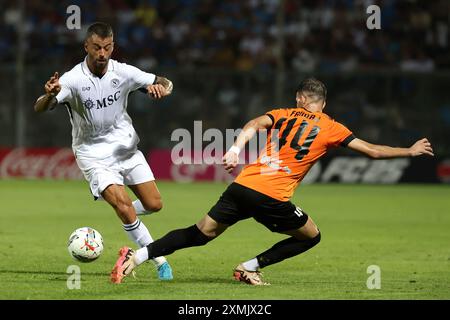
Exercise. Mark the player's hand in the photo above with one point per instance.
(157, 91)
(52, 86)
(422, 146)
(230, 161)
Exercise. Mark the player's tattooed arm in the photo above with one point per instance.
(48, 100)
(166, 83)
(160, 88)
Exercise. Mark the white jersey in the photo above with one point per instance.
(97, 106)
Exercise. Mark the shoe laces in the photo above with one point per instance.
(130, 252)
(256, 275)
(128, 255)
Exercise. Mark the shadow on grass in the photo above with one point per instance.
(188, 280)
(52, 273)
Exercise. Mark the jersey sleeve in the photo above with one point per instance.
(339, 135)
(65, 95)
(274, 115)
(138, 78)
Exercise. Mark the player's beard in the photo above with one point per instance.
(100, 65)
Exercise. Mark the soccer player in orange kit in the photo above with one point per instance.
(262, 191)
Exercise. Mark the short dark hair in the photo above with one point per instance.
(103, 30)
(313, 87)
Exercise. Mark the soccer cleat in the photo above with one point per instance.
(165, 271)
(253, 278)
(124, 265)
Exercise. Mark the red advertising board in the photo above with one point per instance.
(164, 169)
(59, 163)
(48, 163)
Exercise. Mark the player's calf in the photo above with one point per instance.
(286, 249)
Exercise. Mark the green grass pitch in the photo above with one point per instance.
(403, 229)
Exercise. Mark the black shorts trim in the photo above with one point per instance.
(239, 202)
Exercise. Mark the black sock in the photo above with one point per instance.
(285, 249)
(177, 239)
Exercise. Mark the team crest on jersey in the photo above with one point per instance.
(115, 83)
(88, 104)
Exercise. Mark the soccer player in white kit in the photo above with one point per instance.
(95, 93)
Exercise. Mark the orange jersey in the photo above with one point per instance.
(296, 140)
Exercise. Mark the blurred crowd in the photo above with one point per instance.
(214, 40)
(317, 35)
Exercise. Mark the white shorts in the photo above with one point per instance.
(104, 172)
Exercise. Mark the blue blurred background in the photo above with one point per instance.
(233, 60)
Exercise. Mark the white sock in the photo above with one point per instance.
(251, 265)
(140, 210)
(141, 255)
(138, 233)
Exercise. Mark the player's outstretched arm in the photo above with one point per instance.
(231, 158)
(161, 88)
(48, 100)
(421, 147)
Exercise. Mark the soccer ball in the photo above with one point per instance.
(85, 244)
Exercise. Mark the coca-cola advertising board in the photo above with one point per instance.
(44, 163)
(59, 163)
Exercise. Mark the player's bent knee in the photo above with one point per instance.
(316, 233)
(309, 243)
(153, 205)
(314, 241)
